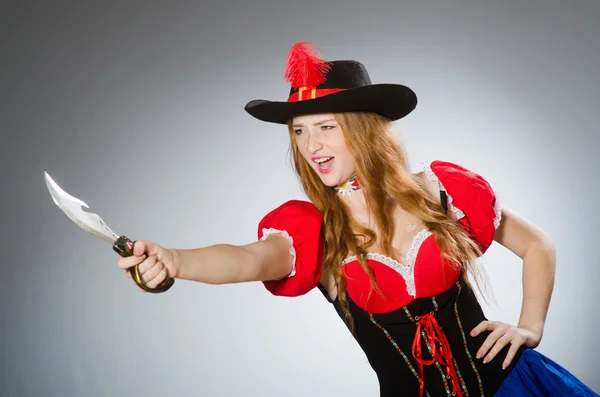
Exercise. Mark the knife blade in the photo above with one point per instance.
(72, 207)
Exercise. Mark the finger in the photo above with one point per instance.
(498, 346)
(152, 272)
(125, 263)
(139, 247)
(482, 326)
(160, 277)
(490, 340)
(146, 247)
(128, 273)
(147, 264)
(515, 345)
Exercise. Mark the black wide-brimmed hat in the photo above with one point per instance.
(319, 86)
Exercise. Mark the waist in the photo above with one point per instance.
(426, 346)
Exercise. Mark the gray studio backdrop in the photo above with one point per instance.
(137, 109)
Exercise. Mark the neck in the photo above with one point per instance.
(346, 189)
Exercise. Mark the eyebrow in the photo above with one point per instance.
(317, 123)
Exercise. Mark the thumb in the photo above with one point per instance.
(139, 247)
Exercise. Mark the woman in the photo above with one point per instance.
(389, 249)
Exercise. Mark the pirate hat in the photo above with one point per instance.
(319, 86)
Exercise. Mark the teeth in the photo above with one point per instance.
(322, 160)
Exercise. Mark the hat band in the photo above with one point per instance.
(305, 93)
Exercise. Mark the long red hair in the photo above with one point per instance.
(381, 168)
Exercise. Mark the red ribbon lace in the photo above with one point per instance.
(440, 351)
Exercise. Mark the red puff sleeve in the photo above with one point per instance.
(300, 222)
(471, 197)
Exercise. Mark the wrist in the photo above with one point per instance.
(176, 270)
(536, 329)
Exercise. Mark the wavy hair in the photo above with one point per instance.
(381, 168)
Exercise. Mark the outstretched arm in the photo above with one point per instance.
(289, 243)
(224, 263)
(269, 259)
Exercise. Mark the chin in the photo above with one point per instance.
(329, 180)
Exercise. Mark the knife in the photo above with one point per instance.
(92, 223)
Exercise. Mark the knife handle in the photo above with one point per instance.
(124, 247)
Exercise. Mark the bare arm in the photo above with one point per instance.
(537, 250)
(224, 263)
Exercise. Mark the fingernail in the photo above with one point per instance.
(486, 360)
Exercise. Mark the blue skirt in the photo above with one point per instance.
(537, 375)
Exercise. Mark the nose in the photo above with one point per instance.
(313, 142)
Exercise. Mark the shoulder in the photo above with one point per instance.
(429, 181)
(293, 214)
(432, 173)
(436, 174)
(295, 219)
(471, 198)
(300, 222)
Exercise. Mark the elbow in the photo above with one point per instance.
(274, 270)
(266, 260)
(546, 244)
(253, 267)
(275, 258)
(543, 246)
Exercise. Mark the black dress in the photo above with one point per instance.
(442, 321)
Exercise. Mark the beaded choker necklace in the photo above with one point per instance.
(348, 187)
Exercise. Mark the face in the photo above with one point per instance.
(321, 142)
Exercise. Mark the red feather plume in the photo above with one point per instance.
(304, 67)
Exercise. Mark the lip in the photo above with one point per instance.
(324, 170)
(319, 157)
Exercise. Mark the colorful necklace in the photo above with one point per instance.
(348, 187)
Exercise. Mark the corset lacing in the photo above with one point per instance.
(430, 330)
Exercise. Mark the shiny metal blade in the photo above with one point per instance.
(72, 207)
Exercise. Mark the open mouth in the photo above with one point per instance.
(324, 164)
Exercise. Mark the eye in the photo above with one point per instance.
(298, 131)
(327, 127)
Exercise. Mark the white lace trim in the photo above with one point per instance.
(498, 210)
(420, 237)
(433, 177)
(406, 270)
(269, 231)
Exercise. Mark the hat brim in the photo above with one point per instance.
(393, 101)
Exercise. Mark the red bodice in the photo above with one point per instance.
(423, 273)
